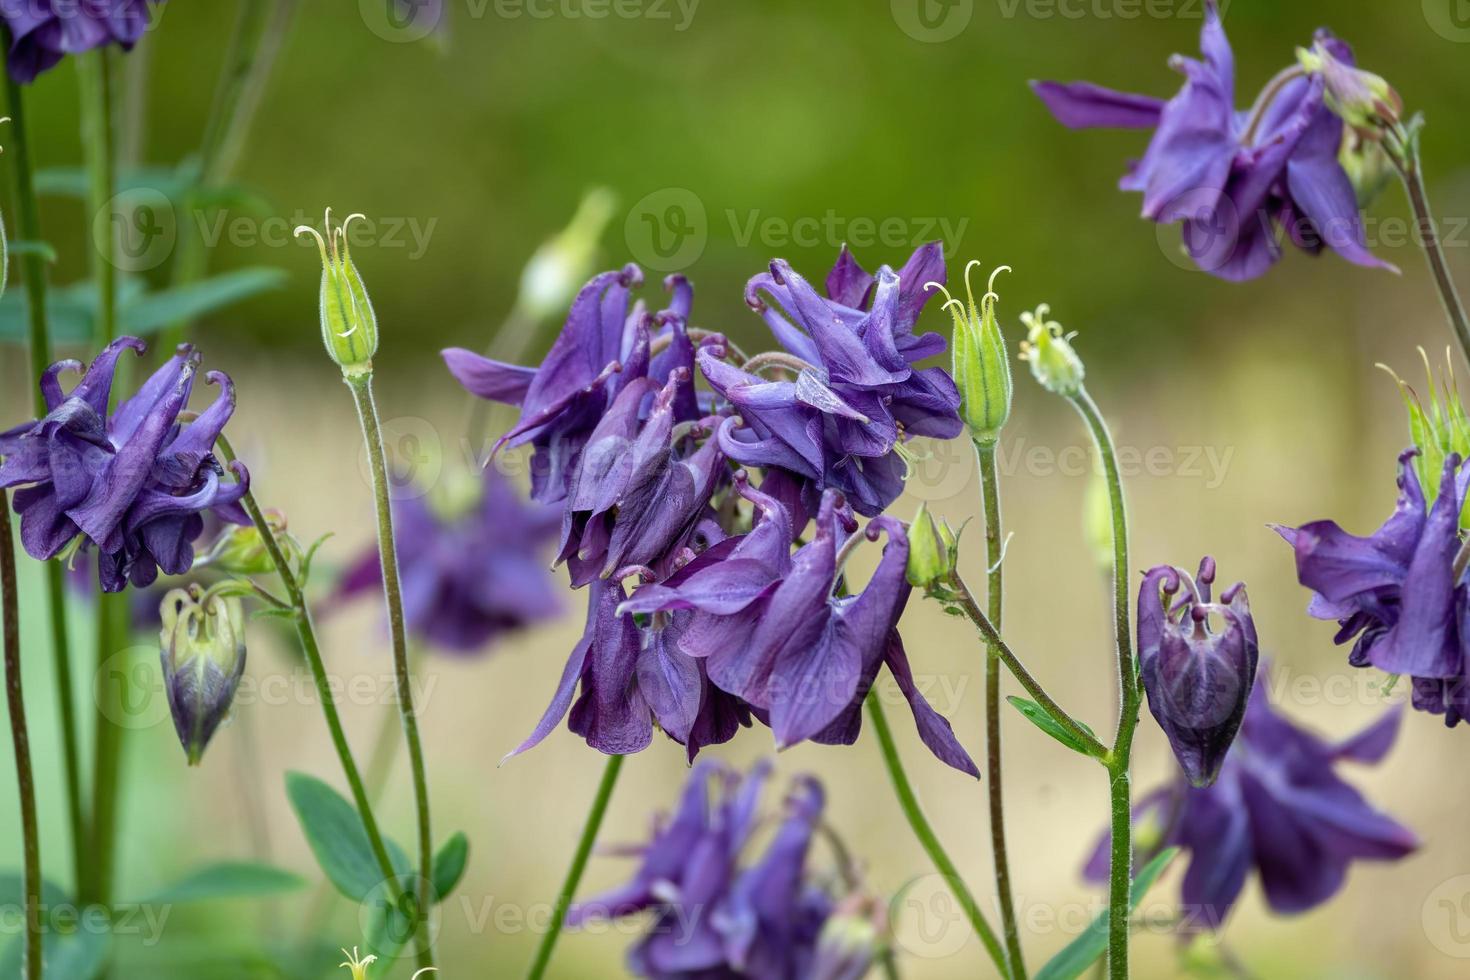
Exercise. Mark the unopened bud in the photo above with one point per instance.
(349, 326)
(562, 264)
(853, 936)
(240, 549)
(1049, 351)
(1364, 100)
(202, 646)
(931, 549)
(982, 371)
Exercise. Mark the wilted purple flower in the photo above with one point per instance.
(855, 395)
(137, 484)
(1278, 807)
(1399, 592)
(714, 916)
(1197, 679)
(1234, 178)
(770, 631)
(472, 570)
(42, 32)
(605, 346)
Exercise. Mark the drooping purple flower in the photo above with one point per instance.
(770, 629)
(1197, 680)
(42, 32)
(471, 570)
(135, 484)
(1397, 593)
(854, 395)
(605, 346)
(1237, 180)
(714, 915)
(1278, 808)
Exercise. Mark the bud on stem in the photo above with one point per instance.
(982, 371)
(349, 326)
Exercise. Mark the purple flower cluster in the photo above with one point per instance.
(1278, 808)
(42, 32)
(135, 485)
(1400, 594)
(469, 574)
(728, 624)
(714, 915)
(1239, 181)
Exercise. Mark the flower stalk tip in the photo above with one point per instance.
(1048, 350)
(349, 325)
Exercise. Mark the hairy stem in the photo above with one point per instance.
(24, 776)
(928, 840)
(995, 598)
(367, 411)
(1120, 880)
(33, 266)
(579, 864)
(1404, 152)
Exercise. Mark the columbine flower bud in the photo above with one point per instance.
(561, 265)
(1364, 100)
(349, 326)
(1053, 361)
(931, 549)
(1436, 429)
(850, 939)
(982, 372)
(240, 549)
(202, 643)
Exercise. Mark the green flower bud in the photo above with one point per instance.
(854, 934)
(349, 326)
(202, 645)
(1053, 361)
(1362, 99)
(1436, 429)
(931, 549)
(982, 371)
(240, 550)
(562, 264)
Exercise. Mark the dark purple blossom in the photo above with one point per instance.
(1397, 593)
(136, 484)
(42, 32)
(1197, 679)
(715, 916)
(1237, 180)
(470, 573)
(1278, 808)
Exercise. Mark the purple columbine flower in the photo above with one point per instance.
(714, 915)
(854, 395)
(1278, 808)
(1197, 679)
(471, 570)
(137, 484)
(42, 32)
(1235, 179)
(770, 629)
(1398, 593)
(604, 346)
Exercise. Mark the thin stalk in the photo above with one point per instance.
(1118, 759)
(995, 599)
(25, 776)
(33, 266)
(579, 864)
(112, 629)
(367, 412)
(971, 608)
(928, 840)
(306, 635)
(1404, 153)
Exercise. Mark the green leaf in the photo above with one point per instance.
(338, 838)
(449, 865)
(1043, 720)
(157, 310)
(241, 879)
(1082, 952)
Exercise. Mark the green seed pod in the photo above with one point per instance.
(1049, 351)
(931, 550)
(982, 369)
(349, 326)
(202, 647)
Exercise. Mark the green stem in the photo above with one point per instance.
(361, 385)
(995, 597)
(24, 776)
(1404, 152)
(112, 631)
(928, 840)
(306, 635)
(1119, 758)
(33, 265)
(579, 864)
(992, 637)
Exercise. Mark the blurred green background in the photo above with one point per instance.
(758, 129)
